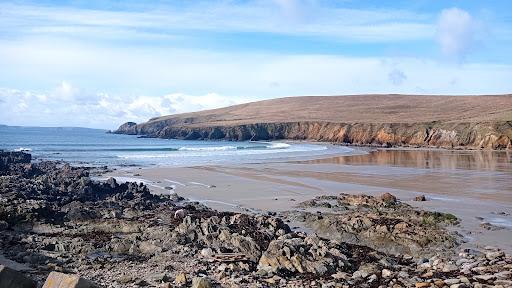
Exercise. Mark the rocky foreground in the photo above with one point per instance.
(53, 217)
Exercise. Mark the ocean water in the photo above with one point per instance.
(96, 147)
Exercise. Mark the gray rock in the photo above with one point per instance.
(494, 255)
(451, 281)
(10, 278)
(201, 282)
(386, 273)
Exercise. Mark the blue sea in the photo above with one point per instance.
(84, 146)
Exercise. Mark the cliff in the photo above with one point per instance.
(468, 122)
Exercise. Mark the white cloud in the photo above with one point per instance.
(65, 91)
(457, 32)
(291, 17)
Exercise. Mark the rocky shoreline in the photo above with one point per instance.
(53, 217)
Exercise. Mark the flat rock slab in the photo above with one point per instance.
(21, 267)
(61, 280)
(10, 278)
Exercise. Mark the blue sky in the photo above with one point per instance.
(101, 63)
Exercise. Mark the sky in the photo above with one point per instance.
(101, 63)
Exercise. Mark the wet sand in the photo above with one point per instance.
(476, 186)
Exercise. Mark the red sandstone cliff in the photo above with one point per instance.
(470, 122)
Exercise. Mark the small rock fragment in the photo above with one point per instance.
(201, 282)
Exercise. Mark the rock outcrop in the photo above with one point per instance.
(387, 125)
(382, 223)
(129, 128)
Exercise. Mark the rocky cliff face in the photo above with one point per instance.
(471, 135)
(129, 128)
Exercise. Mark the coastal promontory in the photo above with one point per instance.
(465, 122)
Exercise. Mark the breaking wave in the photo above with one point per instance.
(214, 148)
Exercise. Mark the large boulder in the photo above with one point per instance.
(61, 280)
(10, 278)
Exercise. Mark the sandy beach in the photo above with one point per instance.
(476, 186)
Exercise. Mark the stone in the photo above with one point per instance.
(494, 255)
(3, 225)
(422, 284)
(10, 278)
(451, 281)
(141, 283)
(158, 277)
(504, 283)
(367, 269)
(388, 198)
(484, 278)
(125, 279)
(340, 275)
(201, 282)
(503, 275)
(464, 279)
(180, 214)
(206, 252)
(403, 275)
(61, 280)
(420, 198)
(372, 278)
(181, 279)
(386, 273)
(447, 268)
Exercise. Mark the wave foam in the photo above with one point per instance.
(215, 148)
(278, 146)
(22, 149)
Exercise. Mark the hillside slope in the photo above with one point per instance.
(473, 122)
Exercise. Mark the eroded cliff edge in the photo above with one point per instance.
(466, 122)
(495, 135)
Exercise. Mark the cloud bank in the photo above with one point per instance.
(98, 110)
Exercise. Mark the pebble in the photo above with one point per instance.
(386, 273)
(450, 268)
(485, 278)
(451, 281)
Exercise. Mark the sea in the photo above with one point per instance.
(96, 147)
